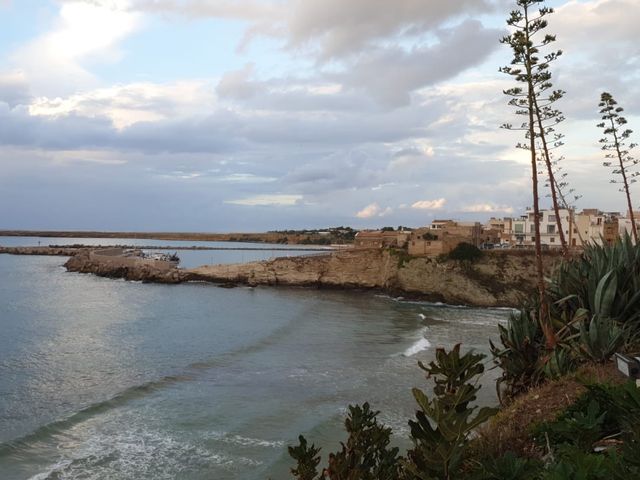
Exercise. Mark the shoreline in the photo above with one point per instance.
(494, 281)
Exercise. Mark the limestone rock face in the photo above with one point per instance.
(339, 269)
(497, 279)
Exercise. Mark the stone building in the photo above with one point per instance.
(381, 239)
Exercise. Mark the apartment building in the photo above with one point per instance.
(588, 226)
(523, 233)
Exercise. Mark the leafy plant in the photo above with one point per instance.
(601, 338)
(507, 467)
(576, 464)
(580, 428)
(440, 433)
(365, 456)
(559, 363)
(307, 459)
(520, 355)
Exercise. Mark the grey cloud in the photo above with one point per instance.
(238, 85)
(391, 74)
(344, 27)
(222, 131)
(340, 27)
(14, 89)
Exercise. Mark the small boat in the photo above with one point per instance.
(164, 257)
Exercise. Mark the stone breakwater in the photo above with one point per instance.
(56, 251)
(110, 264)
(497, 280)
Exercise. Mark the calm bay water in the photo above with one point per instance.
(188, 258)
(102, 378)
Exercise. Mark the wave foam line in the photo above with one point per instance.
(58, 426)
(418, 346)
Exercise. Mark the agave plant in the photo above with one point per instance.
(605, 280)
(520, 356)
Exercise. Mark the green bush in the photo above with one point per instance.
(465, 252)
(440, 433)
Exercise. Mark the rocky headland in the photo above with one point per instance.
(498, 279)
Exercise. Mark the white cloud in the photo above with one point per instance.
(82, 31)
(267, 200)
(487, 208)
(374, 210)
(128, 104)
(369, 211)
(429, 204)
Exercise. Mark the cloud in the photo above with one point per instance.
(238, 85)
(267, 200)
(390, 74)
(128, 104)
(82, 31)
(333, 28)
(487, 208)
(374, 210)
(429, 204)
(14, 88)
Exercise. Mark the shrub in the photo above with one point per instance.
(465, 252)
(440, 433)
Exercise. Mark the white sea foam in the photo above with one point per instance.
(246, 441)
(136, 453)
(419, 345)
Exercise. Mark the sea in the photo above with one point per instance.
(110, 379)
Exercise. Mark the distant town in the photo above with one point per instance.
(442, 236)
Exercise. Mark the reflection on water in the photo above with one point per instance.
(113, 379)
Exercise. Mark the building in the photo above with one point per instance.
(579, 228)
(471, 231)
(442, 236)
(498, 231)
(523, 230)
(381, 239)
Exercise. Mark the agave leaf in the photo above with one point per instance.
(605, 294)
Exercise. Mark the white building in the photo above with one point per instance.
(523, 229)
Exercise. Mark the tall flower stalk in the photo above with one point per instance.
(533, 101)
(618, 153)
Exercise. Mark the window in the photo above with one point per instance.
(552, 239)
(551, 229)
(533, 239)
(552, 218)
(518, 228)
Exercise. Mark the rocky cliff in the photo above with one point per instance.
(497, 279)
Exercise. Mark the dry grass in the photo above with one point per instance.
(510, 429)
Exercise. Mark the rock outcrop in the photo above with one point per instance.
(497, 279)
(129, 268)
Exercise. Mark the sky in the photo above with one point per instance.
(255, 115)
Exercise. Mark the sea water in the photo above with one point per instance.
(103, 378)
